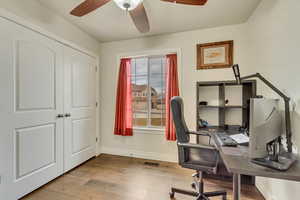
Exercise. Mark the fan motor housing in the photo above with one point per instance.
(126, 5)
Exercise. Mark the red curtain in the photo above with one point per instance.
(172, 90)
(123, 118)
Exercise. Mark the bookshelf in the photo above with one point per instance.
(221, 115)
(227, 103)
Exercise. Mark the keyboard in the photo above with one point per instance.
(225, 140)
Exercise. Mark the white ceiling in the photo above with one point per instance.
(110, 23)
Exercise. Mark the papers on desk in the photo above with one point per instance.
(240, 138)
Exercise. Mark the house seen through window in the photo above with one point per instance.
(148, 91)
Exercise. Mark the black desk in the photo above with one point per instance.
(237, 162)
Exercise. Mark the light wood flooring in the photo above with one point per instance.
(110, 177)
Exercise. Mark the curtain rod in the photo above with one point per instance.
(148, 55)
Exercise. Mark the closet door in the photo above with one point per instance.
(31, 79)
(80, 108)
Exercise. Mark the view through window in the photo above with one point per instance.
(148, 91)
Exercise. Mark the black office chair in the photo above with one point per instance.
(199, 157)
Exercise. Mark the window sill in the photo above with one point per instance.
(155, 131)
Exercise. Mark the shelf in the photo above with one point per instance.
(230, 106)
(208, 106)
(225, 83)
(235, 106)
(217, 112)
(231, 128)
(219, 115)
(210, 128)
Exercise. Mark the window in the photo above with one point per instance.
(148, 92)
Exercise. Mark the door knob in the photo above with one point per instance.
(67, 115)
(60, 116)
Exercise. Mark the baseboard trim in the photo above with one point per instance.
(266, 194)
(140, 154)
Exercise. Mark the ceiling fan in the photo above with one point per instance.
(135, 8)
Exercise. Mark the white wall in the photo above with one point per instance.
(268, 43)
(274, 42)
(154, 145)
(39, 15)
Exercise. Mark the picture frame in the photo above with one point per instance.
(215, 55)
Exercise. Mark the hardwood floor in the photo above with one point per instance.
(110, 177)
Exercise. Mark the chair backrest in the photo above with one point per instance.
(179, 121)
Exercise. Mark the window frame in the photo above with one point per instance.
(148, 53)
(149, 96)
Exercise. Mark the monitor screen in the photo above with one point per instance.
(265, 125)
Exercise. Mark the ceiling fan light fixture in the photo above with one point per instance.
(128, 4)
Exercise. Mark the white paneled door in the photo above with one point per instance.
(31, 76)
(80, 108)
(47, 109)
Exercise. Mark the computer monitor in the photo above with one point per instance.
(265, 125)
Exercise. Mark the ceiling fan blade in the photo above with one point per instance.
(140, 19)
(88, 6)
(188, 2)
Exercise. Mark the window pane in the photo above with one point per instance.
(162, 101)
(164, 65)
(139, 90)
(141, 80)
(133, 66)
(155, 65)
(157, 85)
(141, 66)
(140, 105)
(158, 108)
(140, 119)
(163, 108)
(156, 119)
(163, 119)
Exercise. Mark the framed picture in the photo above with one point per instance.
(215, 55)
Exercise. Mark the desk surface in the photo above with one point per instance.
(237, 161)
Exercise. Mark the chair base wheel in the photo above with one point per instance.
(172, 195)
(193, 185)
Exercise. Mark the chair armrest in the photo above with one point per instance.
(199, 133)
(195, 146)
